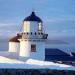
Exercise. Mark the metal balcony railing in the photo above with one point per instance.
(33, 35)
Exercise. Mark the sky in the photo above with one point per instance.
(58, 16)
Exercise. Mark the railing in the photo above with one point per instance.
(33, 35)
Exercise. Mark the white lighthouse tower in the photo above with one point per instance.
(32, 42)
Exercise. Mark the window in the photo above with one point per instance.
(40, 27)
(33, 48)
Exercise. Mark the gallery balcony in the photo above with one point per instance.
(33, 35)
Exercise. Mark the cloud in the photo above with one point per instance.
(60, 25)
(61, 19)
(9, 29)
(54, 34)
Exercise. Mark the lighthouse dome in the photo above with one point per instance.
(33, 17)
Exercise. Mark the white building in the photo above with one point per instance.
(29, 46)
(30, 43)
(14, 44)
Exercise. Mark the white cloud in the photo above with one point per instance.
(62, 33)
(56, 20)
(9, 29)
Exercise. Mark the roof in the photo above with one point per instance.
(54, 51)
(33, 17)
(14, 39)
(73, 54)
(57, 55)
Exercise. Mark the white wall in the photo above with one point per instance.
(25, 46)
(25, 50)
(14, 46)
(30, 26)
(40, 51)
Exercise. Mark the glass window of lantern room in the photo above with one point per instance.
(40, 27)
(33, 48)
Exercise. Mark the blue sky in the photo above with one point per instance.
(58, 16)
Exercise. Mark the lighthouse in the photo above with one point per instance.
(30, 43)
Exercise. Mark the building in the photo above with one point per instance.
(27, 50)
(30, 43)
